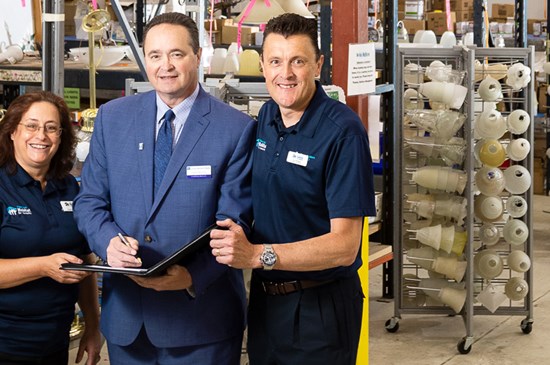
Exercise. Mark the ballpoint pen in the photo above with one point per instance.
(125, 241)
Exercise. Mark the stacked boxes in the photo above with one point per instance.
(437, 21)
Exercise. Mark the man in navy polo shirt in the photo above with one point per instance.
(312, 187)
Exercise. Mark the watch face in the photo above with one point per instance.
(269, 258)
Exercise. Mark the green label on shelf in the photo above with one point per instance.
(72, 97)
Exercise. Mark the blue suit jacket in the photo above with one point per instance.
(117, 196)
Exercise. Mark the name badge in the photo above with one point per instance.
(66, 205)
(199, 172)
(297, 158)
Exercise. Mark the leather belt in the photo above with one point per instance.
(288, 287)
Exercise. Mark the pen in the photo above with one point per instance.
(125, 241)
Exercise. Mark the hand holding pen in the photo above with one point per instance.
(127, 243)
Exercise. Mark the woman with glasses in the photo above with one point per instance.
(38, 234)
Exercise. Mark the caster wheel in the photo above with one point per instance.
(526, 326)
(391, 326)
(461, 347)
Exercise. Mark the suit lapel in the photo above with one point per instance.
(193, 129)
(145, 144)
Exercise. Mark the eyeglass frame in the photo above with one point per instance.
(37, 127)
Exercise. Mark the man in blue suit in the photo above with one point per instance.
(193, 314)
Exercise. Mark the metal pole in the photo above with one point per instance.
(132, 41)
(53, 46)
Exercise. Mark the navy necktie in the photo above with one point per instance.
(163, 147)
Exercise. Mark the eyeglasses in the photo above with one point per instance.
(48, 128)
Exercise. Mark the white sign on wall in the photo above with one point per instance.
(361, 69)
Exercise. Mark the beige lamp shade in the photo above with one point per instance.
(249, 61)
(296, 7)
(260, 12)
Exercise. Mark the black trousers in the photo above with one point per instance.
(316, 326)
(58, 358)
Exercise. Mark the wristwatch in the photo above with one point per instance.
(268, 258)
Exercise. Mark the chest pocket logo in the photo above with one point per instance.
(19, 210)
(261, 144)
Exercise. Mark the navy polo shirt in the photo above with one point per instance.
(35, 317)
(305, 175)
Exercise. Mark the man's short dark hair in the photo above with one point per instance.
(290, 24)
(176, 19)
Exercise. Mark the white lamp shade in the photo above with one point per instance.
(515, 232)
(12, 54)
(516, 288)
(490, 89)
(217, 61)
(296, 7)
(518, 76)
(448, 39)
(519, 261)
(489, 234)
(444, 92)
(491, 297)
(490, 180)
(518, 179)
(454, 298)
(488, 208)
(430, 236)
(490, 124)
(488, 264)
(518, 149)
(518, 121)
(260, 12)
(231, 64)
(516, 206)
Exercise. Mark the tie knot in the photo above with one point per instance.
(169, 115)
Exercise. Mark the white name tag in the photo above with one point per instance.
(297, 158)
(66, 205)
(199, 172)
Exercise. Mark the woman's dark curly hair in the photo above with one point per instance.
(63, 160)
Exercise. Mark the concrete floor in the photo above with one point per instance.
(432, 339)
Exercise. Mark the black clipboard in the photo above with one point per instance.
(159, 268)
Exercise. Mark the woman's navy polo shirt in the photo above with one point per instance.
(35, 317)
(305, 175)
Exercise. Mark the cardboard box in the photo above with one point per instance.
(413, 26)
(400, 5)
(462, 5)
(542, 97)
(465, 16)
(70, 11)
(229, 34)
(503, 10)
(217, 27)
(456, 5)
(414, 9)
(437, 21)
(539, 176)
(531, 25)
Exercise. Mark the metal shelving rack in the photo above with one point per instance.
(405, 160)
(513, 100)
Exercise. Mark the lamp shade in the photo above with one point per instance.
(296, 7)
(260, 13)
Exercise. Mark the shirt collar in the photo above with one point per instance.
(22, 178)
(185, 104)
(310, 120)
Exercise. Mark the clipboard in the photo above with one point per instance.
(203, 240)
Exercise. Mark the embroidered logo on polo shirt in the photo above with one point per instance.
(19, 210)
(261, 144)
